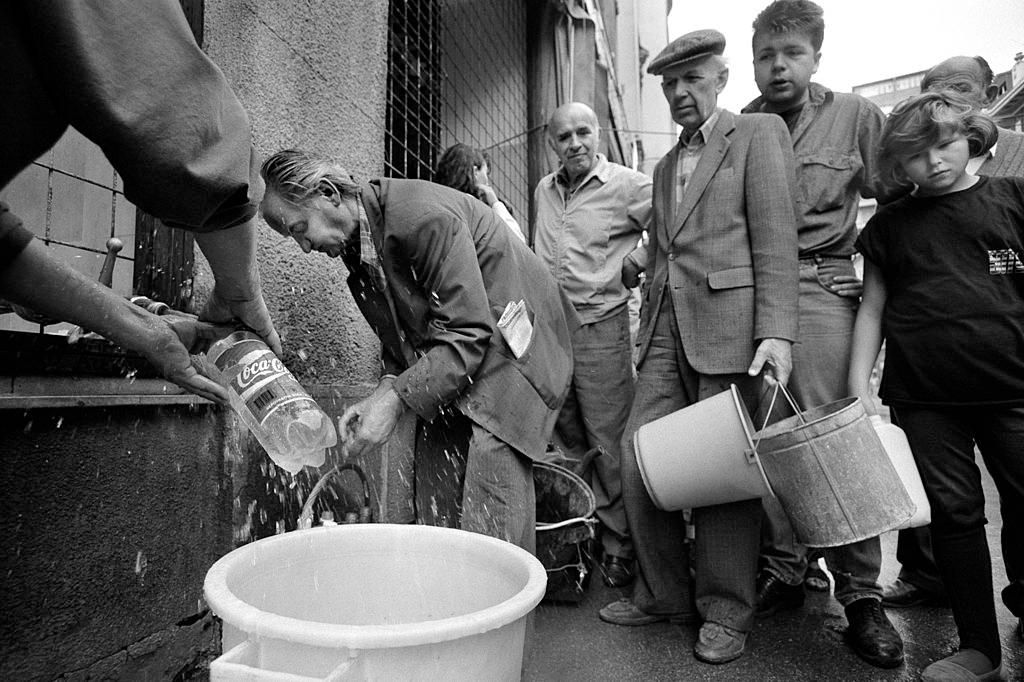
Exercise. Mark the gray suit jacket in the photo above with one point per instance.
(1009, 157)
(728, 254)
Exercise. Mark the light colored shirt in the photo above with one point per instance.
(690, 151)
(976, 162)
(502, 210)
(583, 235)
(368, 251)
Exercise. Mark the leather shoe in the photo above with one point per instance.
(717, 643)
(900, 594)
(616, 571)
(773, 595)
(625, 612)
(871, 634)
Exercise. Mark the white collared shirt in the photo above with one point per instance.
(690, 151)
(976, 162)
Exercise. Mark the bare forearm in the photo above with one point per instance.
(39, 281)
(867, 341)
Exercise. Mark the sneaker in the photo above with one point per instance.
(773, 595)
(960, 667)
(717, 643)
(871, 634)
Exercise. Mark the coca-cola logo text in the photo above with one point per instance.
(253, 371)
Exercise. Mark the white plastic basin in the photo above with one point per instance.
(374, 602)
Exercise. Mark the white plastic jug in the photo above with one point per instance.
(896, 446)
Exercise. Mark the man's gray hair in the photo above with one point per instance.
(298, 175)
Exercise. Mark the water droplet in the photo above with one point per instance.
(140, 564)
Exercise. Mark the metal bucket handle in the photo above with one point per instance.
(751, 452)
(305, 519)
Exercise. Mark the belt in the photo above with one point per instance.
(821, 257)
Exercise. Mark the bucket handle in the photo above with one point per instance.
(590, 523)
(305, 519)
(237, 664)
(751, 453)
(771, 406)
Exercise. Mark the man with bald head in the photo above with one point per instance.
(972, 77)
(919, 583)
(590, 216)
(720, 310)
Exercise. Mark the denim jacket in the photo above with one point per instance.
(835, 142)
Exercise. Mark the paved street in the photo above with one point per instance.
(570, 642)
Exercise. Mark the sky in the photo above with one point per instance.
(866, 40)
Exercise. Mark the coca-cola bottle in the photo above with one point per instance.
(286, 421)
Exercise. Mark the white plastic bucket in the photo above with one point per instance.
(374, 602)
(701, 455)
(896, 446)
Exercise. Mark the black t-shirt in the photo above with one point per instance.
(953, 267)
(790, 116)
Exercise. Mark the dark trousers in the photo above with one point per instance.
(727, 535)
(917, 560)
(465, 477)
(943, 442)
(594, 414)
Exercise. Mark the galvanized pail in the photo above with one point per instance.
(832, 476)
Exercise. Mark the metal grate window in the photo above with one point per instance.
(457, 73)
(414, 88)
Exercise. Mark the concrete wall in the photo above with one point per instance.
(109, 520)
(111, 516)
(312, 75)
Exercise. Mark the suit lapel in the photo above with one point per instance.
(668, 192)
(710, 159)
(378, 307)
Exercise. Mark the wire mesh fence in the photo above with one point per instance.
(457, 73)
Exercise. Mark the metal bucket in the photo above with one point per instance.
(832, 475)
(565, 530)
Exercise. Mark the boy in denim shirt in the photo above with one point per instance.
(834, 139)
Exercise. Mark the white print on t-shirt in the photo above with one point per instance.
(1004, 262)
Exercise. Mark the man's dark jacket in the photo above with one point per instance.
(451, 267)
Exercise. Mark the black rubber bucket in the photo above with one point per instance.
(565, 530)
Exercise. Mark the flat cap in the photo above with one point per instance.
(693, 45)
